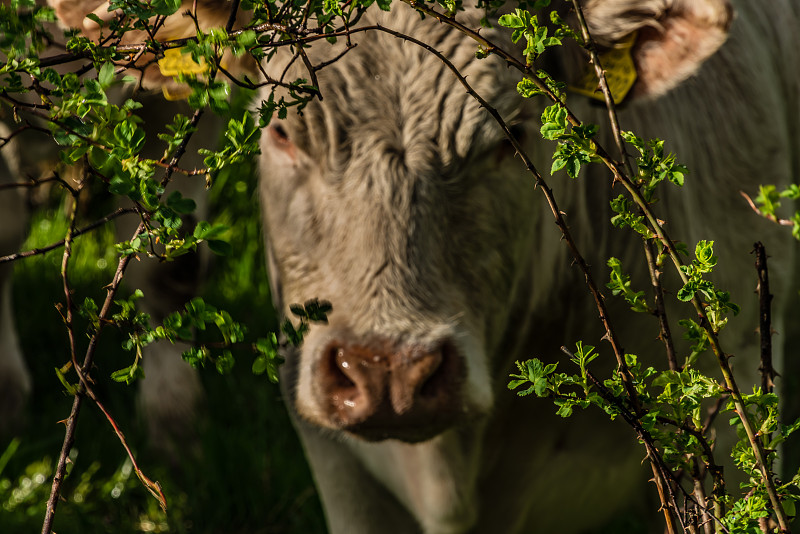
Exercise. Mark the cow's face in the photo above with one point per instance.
(397, 199)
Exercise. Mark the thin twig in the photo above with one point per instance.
(152, 486)
(660, 312)
(73, 212)
(87, 228)
(768, 216)
(34, 182)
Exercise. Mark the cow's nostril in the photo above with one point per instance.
(431, 386)
(341, 368)
(443, 374)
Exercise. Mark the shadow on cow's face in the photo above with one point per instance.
(399, 202)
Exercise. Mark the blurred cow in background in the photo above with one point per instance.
(398, 199)
(15, 381)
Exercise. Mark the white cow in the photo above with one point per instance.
(397, 198)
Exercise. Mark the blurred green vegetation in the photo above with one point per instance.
(243, 472)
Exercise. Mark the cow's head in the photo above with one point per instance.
(398, 199)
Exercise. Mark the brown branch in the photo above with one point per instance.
(768, 372)
(660, 312)
(34, 182)
(152, 486)
(65, 277)
(5, 140)
(232, 16)
(61, 466)
(309, 68)
(655, 225)
(268, 80)
(722, 357)
(185, 172)
(661, 472)
(350, 46)
(613, 120)
(715, 469)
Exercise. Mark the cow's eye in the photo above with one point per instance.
(281, 140)
(279, 134)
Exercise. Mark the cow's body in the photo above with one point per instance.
(397, 199)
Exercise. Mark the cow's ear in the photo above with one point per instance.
(672, 38)
(83, 15)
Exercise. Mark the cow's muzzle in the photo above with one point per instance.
(384, 390)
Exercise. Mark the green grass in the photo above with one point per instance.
(243, 472)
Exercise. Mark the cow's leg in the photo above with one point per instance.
(15, 381)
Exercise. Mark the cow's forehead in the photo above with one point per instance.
(397, 94)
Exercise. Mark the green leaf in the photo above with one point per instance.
(128, 374)
(219, 247)
(687, 292)
(527, 88)
(564, 408)
(791, 192)
(511, 20)
(224, 362)
(72, 389)
(196, 356)
(164, 7)
(181, 205)
(573, 167)
(105, 76)
(260, 365)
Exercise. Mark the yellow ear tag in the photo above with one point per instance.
(620, 73)
(178, 61)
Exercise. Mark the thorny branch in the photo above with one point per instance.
(768, 372)
(84, 387)
(665, 335)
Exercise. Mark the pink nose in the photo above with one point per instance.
(385, 390)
